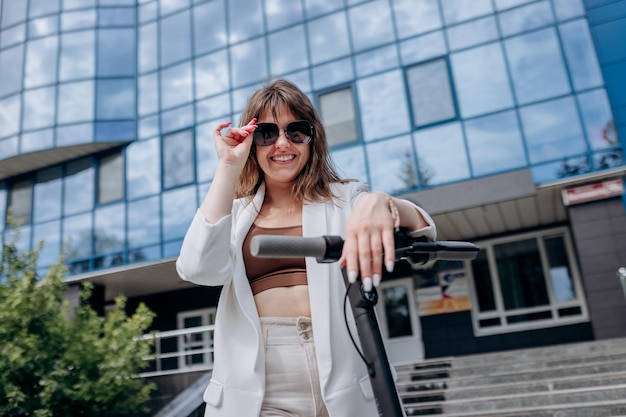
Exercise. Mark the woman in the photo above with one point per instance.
(275, 177)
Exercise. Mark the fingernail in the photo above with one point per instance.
(390, 265)
(352, 276)
(367, 284)
(376, 279)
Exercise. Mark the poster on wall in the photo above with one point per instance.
(448, 294)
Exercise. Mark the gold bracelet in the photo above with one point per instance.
(395, 216)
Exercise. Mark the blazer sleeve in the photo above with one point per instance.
(205, 255)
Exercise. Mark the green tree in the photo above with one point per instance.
(57, 361)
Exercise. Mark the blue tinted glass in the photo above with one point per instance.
(495, 143)
(117, 2)
(350, 163)
(318, 7)
(116, 52)
(211, 74)
(82, 19)
(431, 95)
(13, 12)
(383, 105)
(218, 106)
(143, 168)
(455, 11)
(38, 140)
(472, 33)
(47, 195)
(73, 134)
(253, 13)
(580, 54)
(42, 7)
(209, 26)
(302, 79)
(170, 6)
(526, 18)
(567, 9)
(77, 236)
(177, 118)
(16, 34)
(561, 169)
(115, 131)
(441, 154)
(145, 254)
(377, 60)
(116, 99)
(506, 4)
(10, 110)
(178, 159)
(179, 207)
(117, 16)
(328, 38)
(3, 205)
(240, 97)
(423, 47)
(205, 151)
(23, 241)
(248, 62)
(148, 56)
(371, 25)
(175, 38)
(398, 171)
(333, 73)
(78, 187)
(536, 66)
(171, 249)
(43, 26)
(608, 159)
(414, 17)
(41, 61)
(481, 80)
(77, 4)
(552, 130)
(176, 85)
(76, 102)
(148, 94)
(147, 12)
(50, 234)
(148, 127)
(39, 108)
(598, 120)
(110, 228)
(77, 55)
(287, 50)
(279, 13)
(144, 222)
(8, 147)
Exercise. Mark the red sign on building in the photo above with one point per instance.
(592, 192)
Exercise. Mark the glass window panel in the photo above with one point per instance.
(431, 94)
(423, 47)
(144, 218)
(218, 106)
(281, 13)
(38, 140)
(398, 171)
(177, 119)
(77, 55)
(23, 241)
(148, 53)
(170, 6)
(77, 4)
(495, 143)
(328, 38)
(526, 18)
(333, 73)
(116, 52)
(178, 159)
(42, 7)
(211, 74)
(82, 19)
(175, 38)
(41, 62)
(149, 127)
(43, 26)
(16, 34)
(209, 26)
(561, 169)
(118, 16)
(147, 12)
(441, 154)
(117, 2)
(77, 236)
(47, 195)
(179, 207)
(302, 79)
(455, 11)
(382, 101)
(350, 163)
(582, 60)
(111, 178)
(397, 311)
(73, 134)
(288, 50)
(560, 273)
(481, 80)
(318, 7)
(608, 159)
(3, 206)
(78, 187)
(148, 94)
(116, 99)
(8, 147)
(50, 234)
(76, 102)
(248, 62)
(115, 131)
(536, 66)
(481, 275)
(254, 19)
(472, 33)
(145, 254)
(507, 4)
(339, 117)
(110, 228)
(176, 85)
(11, 62)
(206, 156)
(371, 25)
(552, 130)
(413, 17)
(13, 12)
(10, 110)
(240, 97)
(21, 201)
(377, 60)
(521, 275)
(598, 119)
(143, 171)
(567, 9)
(39, 107)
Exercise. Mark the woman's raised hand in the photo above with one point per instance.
(234, 146)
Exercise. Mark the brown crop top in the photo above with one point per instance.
(266, 273)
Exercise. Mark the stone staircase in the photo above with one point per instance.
(573, 380)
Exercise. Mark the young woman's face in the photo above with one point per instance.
(282, 161)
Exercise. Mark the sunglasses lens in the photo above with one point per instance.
(299, 132)
(265, 134)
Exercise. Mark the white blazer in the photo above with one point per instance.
(211, 255)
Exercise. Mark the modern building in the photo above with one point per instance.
(505, 119)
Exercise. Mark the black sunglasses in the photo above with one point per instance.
(266, 134)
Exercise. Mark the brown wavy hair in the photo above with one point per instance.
(313, 182)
